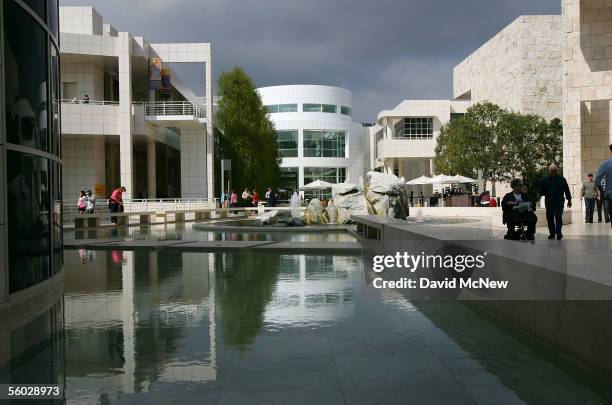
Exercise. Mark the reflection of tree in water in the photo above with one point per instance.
(245, 284)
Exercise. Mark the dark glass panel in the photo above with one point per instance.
(25, 54)
(53, 17)
(28, 205)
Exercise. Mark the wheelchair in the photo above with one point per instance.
(520, 225)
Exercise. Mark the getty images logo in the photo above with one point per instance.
(412, 263)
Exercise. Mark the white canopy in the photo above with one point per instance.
(442, 179)
(317, 185)
(419, 181)
(463, 179)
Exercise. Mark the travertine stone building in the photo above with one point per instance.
(587, 84)
(557, 67)
(519, 68)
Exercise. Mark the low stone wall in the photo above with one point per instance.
(557, 301)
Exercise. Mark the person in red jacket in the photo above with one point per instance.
(255, 198)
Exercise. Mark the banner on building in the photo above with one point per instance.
(155, 73)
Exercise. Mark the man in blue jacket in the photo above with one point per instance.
(554, 188)
(605, 170)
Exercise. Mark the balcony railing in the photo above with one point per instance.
(174, 108)
(92, 102)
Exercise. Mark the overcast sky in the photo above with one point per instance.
(384, 51)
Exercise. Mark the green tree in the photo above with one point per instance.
(244, 134)
(474, 144)
(499, 144)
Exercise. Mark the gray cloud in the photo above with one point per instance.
(384, 50)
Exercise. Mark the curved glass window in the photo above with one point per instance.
(324, 143)
(280, 108)
(25, 53)
(287, 143)
(55, 103)
(311, 108)
(29, 223)
(53, 17)
(287, 108)
(38, 6)
(329, 108)
(344, 110)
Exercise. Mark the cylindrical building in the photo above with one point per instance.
(317, 138)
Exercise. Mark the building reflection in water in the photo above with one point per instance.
(32, 345)
(137, 321)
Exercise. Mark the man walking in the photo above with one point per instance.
(589, 193)
(554, 188)
(605, 172)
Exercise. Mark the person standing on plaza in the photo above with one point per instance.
(589, 193)
(246, 196)
(555, 190)
(115, 204)
(82, 202)
(605, 172)
(233, 199)
(255, 198)
(268, 194)
(602, 204)
(90, 204)
(272, 199)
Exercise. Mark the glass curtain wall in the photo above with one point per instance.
(287, 143)
(32, 122)
(332, 175)
(324, 143)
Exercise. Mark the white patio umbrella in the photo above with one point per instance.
(419, 181)
(463, 180)
(316, 185)
(441, 179)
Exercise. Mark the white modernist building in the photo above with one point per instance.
(317, 137)
(126, 117)
(403, 141)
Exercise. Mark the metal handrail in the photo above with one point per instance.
(92, 102)
(174, 108)
(145, 204)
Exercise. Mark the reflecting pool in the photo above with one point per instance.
(173, 327)
(185, 231)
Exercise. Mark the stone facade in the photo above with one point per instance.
(519, 68)
(587, 84)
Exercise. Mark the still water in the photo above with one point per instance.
(185, 231)
(165, 327)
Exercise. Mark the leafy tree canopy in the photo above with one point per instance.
(244, 134)
(500, 144)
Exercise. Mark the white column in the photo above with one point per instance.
(126, 121)
(210, 172)
(151, 169)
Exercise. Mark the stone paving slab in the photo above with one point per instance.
(219, 245)
(312, 247)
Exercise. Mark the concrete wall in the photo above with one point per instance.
(89, 79)
(587, 83)
(519, 68)
(80, 20)
(83, 166)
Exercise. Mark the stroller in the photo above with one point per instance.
(522, 217)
